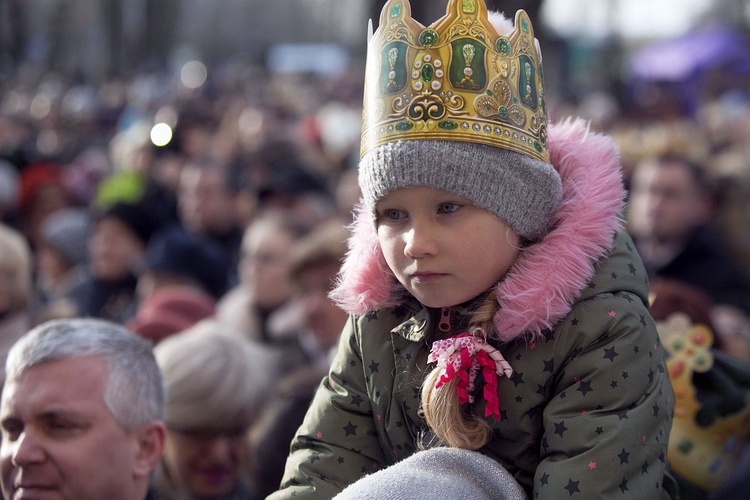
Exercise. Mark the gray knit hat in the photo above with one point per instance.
(67, 232)
(521, 190)
(438, 474)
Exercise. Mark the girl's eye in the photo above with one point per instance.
(448, 207)
(391, 214)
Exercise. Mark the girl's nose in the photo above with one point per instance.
(419, 242)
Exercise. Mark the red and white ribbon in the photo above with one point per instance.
(464, 356)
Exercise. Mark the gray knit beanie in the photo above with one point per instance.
(438, 474)
(521, 190)
(67, 232)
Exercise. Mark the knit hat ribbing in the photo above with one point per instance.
(519, 189)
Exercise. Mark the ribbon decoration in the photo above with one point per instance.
(464, 356)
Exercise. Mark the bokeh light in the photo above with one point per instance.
(161, 134)
(194, 74)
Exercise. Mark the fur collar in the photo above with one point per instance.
(543, 284)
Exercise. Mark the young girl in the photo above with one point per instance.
(496, 303)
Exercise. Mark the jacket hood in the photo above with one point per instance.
(541, 287)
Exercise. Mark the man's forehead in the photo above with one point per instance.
(65, 382)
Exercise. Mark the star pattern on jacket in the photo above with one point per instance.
(564, 395)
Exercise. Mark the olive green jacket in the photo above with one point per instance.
(586, 414)
(587, 411)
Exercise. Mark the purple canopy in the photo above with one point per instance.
(681, 58)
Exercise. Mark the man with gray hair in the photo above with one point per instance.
(81, 413)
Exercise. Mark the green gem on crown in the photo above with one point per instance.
(503, 46)
(404, 126)
(524, 25)
(428, 72)
(448, 125)
(428, 38)
(469, 6)
(396, 10)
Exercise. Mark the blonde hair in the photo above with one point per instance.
(451, 422)
(214, 381)
(15, 269)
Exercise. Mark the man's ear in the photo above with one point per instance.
(150, 441)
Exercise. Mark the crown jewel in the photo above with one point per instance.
(457, 80)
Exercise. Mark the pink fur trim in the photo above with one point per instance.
(540, 288)
(546, 279)
(365, 281)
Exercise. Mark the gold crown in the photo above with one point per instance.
(456, 80)
(703, 455)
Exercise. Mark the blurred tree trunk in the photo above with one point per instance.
(424, 11)
(15, 37)
(112, 15)
(161, 18)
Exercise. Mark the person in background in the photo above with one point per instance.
(42, 192)
(169, 310)
(260, 307)
(315, 262)
(206, 205)
(175, 256)
(61, 261)
(81, 413)
(16, 288)
(294, 190)
(670, 216)
(216, 385)
(116, 251)
(9, 193)
(671, 220)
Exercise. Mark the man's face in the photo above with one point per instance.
(665, 203)
(265, 266)
(322, 317)
(205, 205)
(59, 440)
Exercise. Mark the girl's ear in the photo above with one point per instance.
(150, 440)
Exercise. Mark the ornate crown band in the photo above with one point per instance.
(456, 80)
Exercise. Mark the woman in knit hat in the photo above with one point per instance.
(61, 262)
(497, 305)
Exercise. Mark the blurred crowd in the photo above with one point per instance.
(220, 243)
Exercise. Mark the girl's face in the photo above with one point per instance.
(441, 248)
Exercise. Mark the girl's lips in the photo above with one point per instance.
(426, 277)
